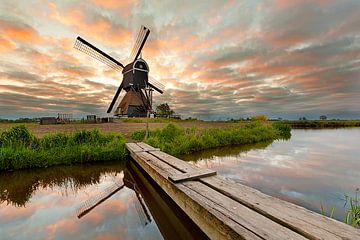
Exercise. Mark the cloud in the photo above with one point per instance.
(217, 60)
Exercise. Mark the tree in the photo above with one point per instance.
(323, 117)
(164, 110)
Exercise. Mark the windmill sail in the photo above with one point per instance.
(86, 47)
(158, 86)
(115, 98)
(95, 201)
(139, 44)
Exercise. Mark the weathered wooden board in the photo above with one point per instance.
(147, 147)
(134, 147)
(176, 162)
(213, 221)
(225, 209)
(192, 175)
(303, 221)
(216, 228)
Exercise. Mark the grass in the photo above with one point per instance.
(352, 216)
(20, 149)
(176, 140)
(318, 124)
(352, 213)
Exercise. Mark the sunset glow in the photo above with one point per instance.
(217, 59)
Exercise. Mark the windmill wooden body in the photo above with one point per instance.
(137, 101)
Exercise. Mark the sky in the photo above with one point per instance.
(217, 59)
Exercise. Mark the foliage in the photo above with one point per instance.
(323, 117)
(19, 120)
(164, 110)
(176, 140)
(20, 149)
(283, 128)
(261, 118)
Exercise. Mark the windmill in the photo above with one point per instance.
(137, 101)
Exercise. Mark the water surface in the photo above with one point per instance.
(313, 168)
(45, 203)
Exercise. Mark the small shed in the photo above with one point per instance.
(48, 120)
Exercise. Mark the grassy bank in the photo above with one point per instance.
(176, 140)
(322, 123)
(20, 149)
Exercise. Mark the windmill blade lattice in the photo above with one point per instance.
(96, 200)
(86, 47)
(139, 44)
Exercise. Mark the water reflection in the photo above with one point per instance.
(313, 168)
(42, 204)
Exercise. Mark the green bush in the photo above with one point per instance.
(176, 140)
(20, 149)
(283, 128)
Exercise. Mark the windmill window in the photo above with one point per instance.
(141, 66)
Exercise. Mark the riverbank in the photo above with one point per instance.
(20, 149)
(177, 140)
(320, 124)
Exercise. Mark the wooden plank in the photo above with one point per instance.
(171, 224)
(242, 215)
(133, 147)
(215, 226)
(310, 224)
(214, 215)
(147, 147)
(213, 221)
(177, 163)
(192, 175)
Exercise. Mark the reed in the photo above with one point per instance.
(20, 149)
(352, 204)
(176, 140)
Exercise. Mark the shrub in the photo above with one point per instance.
(261, 118)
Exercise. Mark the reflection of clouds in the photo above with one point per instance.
(313, 167)
(51, 214)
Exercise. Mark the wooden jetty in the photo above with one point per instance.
(224, 209)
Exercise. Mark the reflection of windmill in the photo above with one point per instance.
(96, 200)
(138, 98)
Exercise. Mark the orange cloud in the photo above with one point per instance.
(67, 225)
(6, 45)
(98, 28)
(113, 4)
(19, 32)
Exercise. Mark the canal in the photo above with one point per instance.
(313, 168)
